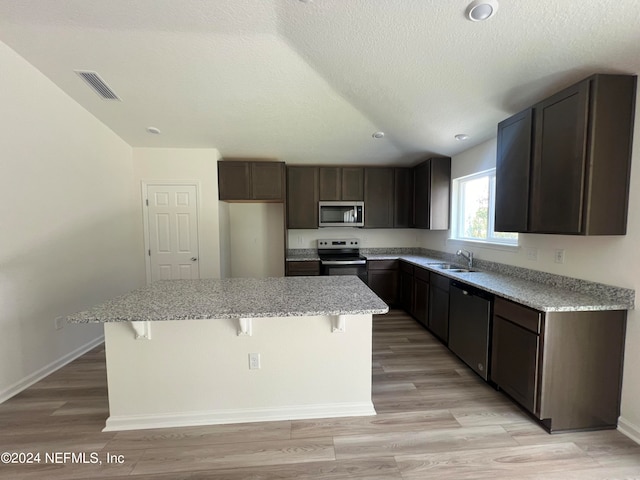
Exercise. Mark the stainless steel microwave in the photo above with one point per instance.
(341, 214)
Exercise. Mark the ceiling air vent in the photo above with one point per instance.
(100, 87)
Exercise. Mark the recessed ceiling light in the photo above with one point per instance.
(378, 134)
(480, 10)
(154, 130)
(462, 137)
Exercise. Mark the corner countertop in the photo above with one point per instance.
(549, 294)
(234, 298)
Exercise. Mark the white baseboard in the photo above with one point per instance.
(38, 375)
(220, 417)
(629, 429)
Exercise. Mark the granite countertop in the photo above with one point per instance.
(539, 290)
(545, 295)
(238, 298)
(303, 255)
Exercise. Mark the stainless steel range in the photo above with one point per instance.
(342, 257)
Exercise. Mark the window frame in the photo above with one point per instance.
(457, 221)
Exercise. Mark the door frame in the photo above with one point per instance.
(144, 185)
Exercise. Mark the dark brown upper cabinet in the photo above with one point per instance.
(432, 189)
(248, 181)
(580, 161)
(341, 183)
(403, 193)
(378, 197)
(234, 180)
(302, 197)
(513, 166)
(559, 162)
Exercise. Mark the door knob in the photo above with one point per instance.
(193, 259)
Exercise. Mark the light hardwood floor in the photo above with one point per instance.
(436, 420)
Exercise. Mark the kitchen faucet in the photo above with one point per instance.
(467, 255)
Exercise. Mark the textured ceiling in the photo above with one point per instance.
(309, 82)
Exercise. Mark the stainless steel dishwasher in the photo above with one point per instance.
(469, 325)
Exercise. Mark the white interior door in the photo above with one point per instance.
(172, 216)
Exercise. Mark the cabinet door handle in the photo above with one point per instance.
(193, 259)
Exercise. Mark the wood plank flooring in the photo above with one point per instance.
(436, 420)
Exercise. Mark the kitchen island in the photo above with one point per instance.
(197, 352)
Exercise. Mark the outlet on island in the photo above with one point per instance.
(254, 361)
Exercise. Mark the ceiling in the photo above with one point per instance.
(309, 82)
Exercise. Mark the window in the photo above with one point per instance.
(474, 210)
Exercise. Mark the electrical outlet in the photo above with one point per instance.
(532, 254)
(59, 323)
(254, 361)
(558, 255)
(299, 241)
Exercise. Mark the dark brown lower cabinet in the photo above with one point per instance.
(515, 361)
(405, 287)
(421, 295)
(302, 268)
(564, 367)
(439, 306)
(382, 278)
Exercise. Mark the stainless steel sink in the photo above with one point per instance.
(451, 268)
(443, 266)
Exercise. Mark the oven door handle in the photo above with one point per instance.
(343, 262)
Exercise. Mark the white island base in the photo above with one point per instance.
(196, 372)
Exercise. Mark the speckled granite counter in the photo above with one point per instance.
(238, 298)
(302, 255)
(550, 293)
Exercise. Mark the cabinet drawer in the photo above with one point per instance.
(519, 314)
(421, 273)
(439, 281)
(303, 268)
(382, 264)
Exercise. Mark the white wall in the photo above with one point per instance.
(369, 238)
(256, 239)
(180, 164)
(609, 259)
(68, 236)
